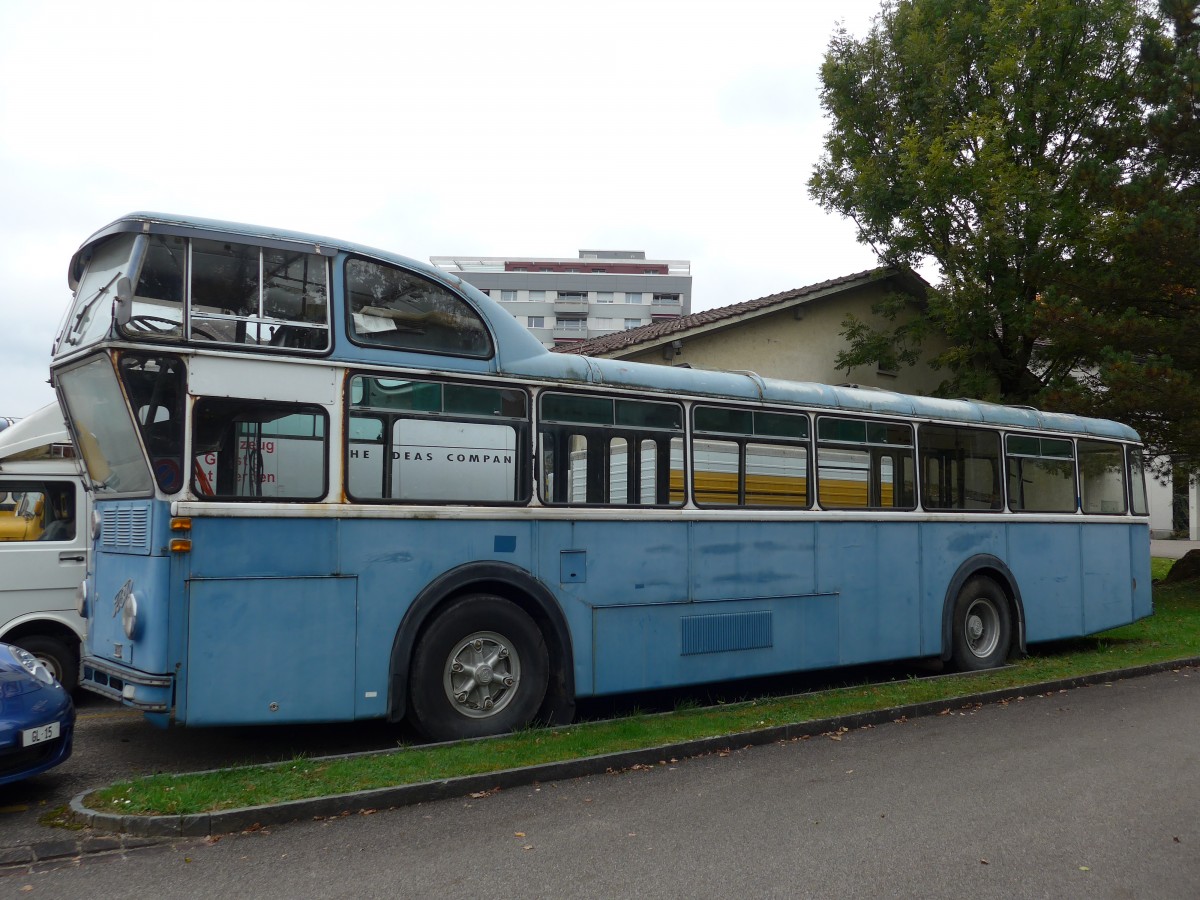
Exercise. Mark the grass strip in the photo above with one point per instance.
(1172, 633)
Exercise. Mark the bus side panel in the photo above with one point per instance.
(395, 560)
(599, 564)
(1044, 558)
(739, 560)
(663, 645)
(1139, 555)
(945, 546)
(875, 569)
(616, 563)
(270, 650)
(1107, 578)
(252, 547)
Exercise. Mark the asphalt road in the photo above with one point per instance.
(1088, 793)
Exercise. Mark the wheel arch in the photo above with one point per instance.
(42, 625)
(994, 568)
(514, 584)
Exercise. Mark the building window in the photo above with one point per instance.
(537, 321)
(604, 296)
(634, 297)
(666, 300)
(572, 296)
(572, 324)
(633, 323)
(508, 296)
(537, 296)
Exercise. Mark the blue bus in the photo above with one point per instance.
(332, 484)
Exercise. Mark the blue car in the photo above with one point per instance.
(37, 717)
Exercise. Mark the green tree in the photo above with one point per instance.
(1037, 152)
(1134, 298)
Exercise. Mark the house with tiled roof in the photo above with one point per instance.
(794, 335)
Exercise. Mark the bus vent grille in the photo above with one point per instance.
(727, 631)
(125, 528)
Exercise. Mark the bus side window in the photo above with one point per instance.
(960, 468)
(391, 307)
(1137, 482)
(603, 450)
(863, 464)
(743, 457)
(1041, 474)
(437, 442)
(246, 294)
(1102, 477)
(259, 450)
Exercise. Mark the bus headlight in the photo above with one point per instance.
(129, 616)
(81, 598)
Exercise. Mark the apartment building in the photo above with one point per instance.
(567, 301)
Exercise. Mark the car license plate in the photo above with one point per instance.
(41, 734)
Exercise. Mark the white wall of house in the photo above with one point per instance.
(1158, 497)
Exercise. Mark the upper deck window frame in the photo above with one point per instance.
(162, 274)
(485, 351)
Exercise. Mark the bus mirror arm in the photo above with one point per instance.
(124, 304)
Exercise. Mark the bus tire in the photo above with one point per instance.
(982, 626)
(56, 656)
(481, 667)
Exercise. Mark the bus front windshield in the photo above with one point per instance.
(106, 434)
(91, 314)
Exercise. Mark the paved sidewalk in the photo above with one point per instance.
(1172, 549)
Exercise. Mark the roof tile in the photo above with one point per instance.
(619, 340)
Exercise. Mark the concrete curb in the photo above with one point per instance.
(234, 820)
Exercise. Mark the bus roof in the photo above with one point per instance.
(522, 355)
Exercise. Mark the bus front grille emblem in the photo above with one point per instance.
(122, 597)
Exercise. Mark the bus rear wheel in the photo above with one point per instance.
(982, 626)
(480, 668)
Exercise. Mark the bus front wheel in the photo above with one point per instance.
(480, 668)
(982, 626)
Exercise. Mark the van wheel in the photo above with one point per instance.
(480, 668)
(982, 626)
(56, 656)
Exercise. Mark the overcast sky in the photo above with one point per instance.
(687, 130)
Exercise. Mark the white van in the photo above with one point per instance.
(44, 516)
